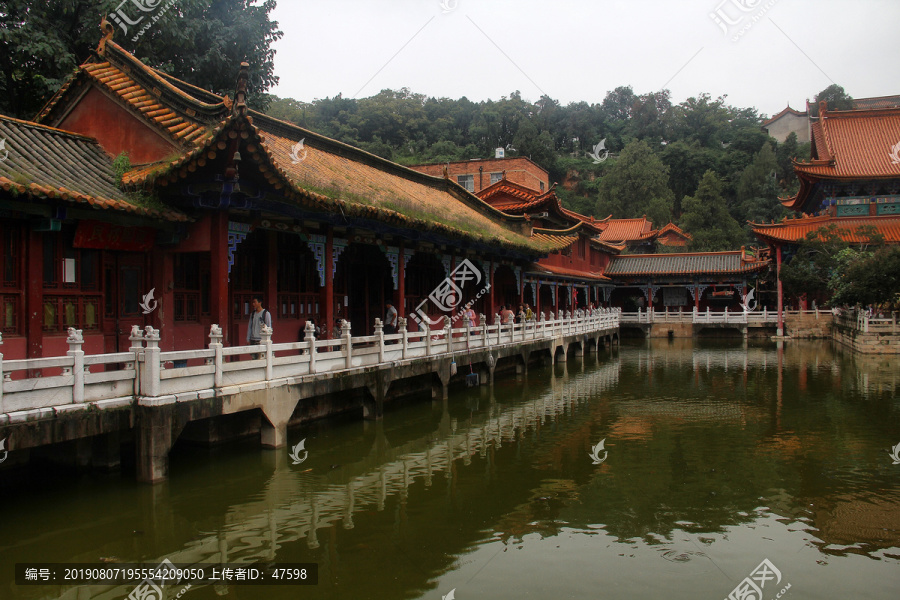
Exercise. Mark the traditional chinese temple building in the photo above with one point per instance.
(138, 199)
(686, 281)
(852, 182)
(571, 277)
(673, 236)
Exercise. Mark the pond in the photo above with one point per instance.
(727, 469)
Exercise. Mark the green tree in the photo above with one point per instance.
(707, 219)
(836, 98)
(757, 191)
(870, 278)
(787, 152)
(638, 184)
(815, 266)
(687, 162)
(198, 41)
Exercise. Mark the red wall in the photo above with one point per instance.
(117, 129)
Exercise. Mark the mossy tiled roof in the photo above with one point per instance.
(333, 177)
(42, 162)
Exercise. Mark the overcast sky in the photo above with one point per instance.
(762, 53)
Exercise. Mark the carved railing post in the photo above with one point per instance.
(448, 333)
(265, 338)
(379, 333)
(346, 343)
(467, 323)
(150, 371)
(484, 335)
(137, 349)
(76, 341)
(309, 336)
(404, 335)
(426, 332)
(215, 344)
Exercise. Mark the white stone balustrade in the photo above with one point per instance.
(56, 383)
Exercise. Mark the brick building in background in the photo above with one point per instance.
(479, 173)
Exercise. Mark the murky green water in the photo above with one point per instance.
(718, 456)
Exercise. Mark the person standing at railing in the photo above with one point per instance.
(390, 320)
(506, 317)
(258, 317)
(473, 318)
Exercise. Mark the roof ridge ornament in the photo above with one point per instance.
(240, 91)
(108, 31)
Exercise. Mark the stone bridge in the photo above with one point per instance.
(101, 401)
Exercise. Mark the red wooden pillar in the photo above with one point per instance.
(556, 293)
(34, 295)
(521, 288)
(697, 293)
(327, 292)
(218, 264)
(271, 300)
(780, 292)
(162, 278)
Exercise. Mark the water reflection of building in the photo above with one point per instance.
(295, 506)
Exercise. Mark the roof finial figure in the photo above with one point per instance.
(108, 30)
(240, 91)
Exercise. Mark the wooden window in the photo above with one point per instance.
(191, 291)
(11, 293)
(71, 284)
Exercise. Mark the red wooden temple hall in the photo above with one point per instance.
(215, 204)
(852, 182)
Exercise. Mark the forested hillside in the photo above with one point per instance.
(702, 163)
